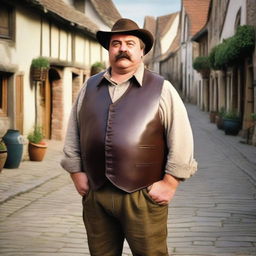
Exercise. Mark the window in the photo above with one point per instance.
(6, 22)
(3, 94)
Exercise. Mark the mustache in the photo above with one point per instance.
(121, 55)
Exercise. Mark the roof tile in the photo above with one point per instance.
(68, 13)
(107, 11)
(197, 11)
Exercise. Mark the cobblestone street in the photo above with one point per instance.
(213, 213)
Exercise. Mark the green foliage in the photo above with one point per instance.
(97, 67)
(221, 112)
(36, 136)
(232, 50)
(3, 147)
(212, 57)
(245, 40)
(253, 116)
(201, 63)
(40, 62)
(231, 115)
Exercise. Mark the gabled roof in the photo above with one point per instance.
(107, 11)
(149, 24)
(59, 9)
(173, 47)
(197, 11)
(164, 23)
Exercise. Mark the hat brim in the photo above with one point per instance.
(103, 37)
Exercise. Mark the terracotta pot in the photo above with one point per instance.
(219, 122)
(36, 151)
(3, 157)
(212, 116)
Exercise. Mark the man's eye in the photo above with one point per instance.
(115, 44)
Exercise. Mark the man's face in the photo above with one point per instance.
(125, 52)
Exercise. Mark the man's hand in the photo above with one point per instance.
(163, 191)
(81, 182)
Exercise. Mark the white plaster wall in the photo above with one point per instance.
(183, 61)
(87, 52)
(54, 42)
(228, 28)
(80, 49)
(27, 48)
(105, 58)
(69, 50)
(95, 52)
(63, 45)
(190, 69)
(46, 39)
(168, 38)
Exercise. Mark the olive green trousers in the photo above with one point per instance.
(111, 215)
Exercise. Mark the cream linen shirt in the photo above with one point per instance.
(180, 159)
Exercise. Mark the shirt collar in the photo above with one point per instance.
(138, 75)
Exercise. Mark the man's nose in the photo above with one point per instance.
(123, 48)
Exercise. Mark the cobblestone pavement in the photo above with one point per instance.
(213, 213)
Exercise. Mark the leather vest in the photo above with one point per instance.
(123, 141)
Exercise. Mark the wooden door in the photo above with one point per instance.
(47, 110)
(19, 112)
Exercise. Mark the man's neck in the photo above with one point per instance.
(121, 75)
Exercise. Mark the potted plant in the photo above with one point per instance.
(97, 67)
(231, 123)
(212, 116)
(219, 118)
(202, 65)
(3, 154)
(37, 146)
(39, 69)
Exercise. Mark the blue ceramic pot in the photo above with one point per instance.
(14, 143)
(231, 126)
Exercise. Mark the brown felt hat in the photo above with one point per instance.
(127, 27)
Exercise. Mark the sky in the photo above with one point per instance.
(138, 9)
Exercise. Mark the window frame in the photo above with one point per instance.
(11, 22)
(3, 84)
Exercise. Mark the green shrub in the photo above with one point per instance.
(221, 112)
(253, 116)
(212, 57)
(40, 62)
(97, 67)
(201, 62)
(36, 136)
(245, 40)
(231, 115)
(233, 49)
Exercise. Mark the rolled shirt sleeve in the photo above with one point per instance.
(71, 161)
(180, 160)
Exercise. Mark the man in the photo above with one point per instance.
(128, 146)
